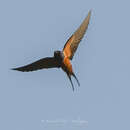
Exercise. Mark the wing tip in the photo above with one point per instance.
(13, 69)
(89, 13)
(17, 69)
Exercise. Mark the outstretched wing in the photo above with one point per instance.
(44, 63)
(73, 42)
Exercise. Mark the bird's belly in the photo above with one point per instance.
(66, 66)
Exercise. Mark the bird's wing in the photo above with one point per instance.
(44, 63)
(73, 42)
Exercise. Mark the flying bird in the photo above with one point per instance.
(61, 59)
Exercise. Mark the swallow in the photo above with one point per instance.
(61, 59)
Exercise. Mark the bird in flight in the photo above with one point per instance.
(61, 59)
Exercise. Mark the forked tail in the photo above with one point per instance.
(69, 76)
(76, 79)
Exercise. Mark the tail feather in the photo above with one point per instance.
(76, 79)
(71, 81)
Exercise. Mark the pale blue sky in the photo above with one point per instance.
(33, 29)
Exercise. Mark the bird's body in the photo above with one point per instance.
(67, 66)
(61, 59)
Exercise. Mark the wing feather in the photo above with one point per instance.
(73, 42)
(44, 63)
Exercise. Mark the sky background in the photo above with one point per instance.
(33, 29)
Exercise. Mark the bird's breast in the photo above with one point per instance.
(67, 66)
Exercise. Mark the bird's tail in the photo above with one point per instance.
(76, 78)
(69, 76)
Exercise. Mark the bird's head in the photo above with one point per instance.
(58, 55)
